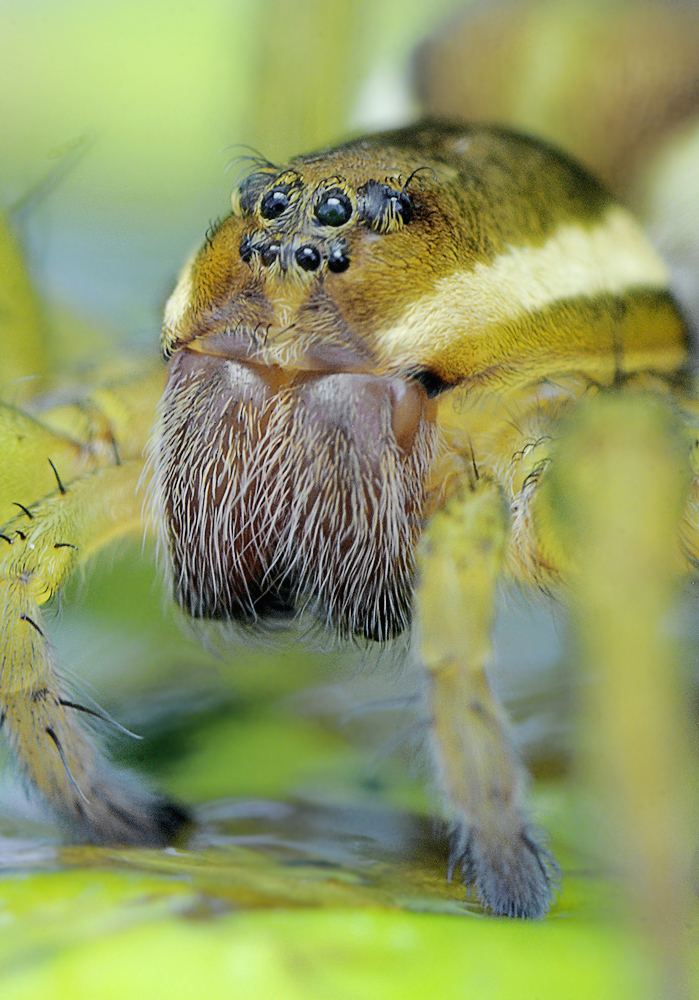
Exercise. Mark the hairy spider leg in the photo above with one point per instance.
(461, 558)
(52, 736)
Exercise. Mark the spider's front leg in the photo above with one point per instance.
(481, 777)
(50, 730)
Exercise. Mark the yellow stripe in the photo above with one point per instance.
(178, 303)
(612, 257)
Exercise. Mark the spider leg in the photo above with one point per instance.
(26, 445)
(53, 741)
(482, 779)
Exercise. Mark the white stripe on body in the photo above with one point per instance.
(612, 257)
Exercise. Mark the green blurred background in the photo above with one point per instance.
(122, 127)
(124, 119)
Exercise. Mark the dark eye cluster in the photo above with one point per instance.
(307, 256)
(383, 207)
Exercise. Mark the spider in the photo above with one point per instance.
(367, 363)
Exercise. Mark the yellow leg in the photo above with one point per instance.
(89, 430)
(53, 736)
(26, 446)
(614, 498)
(482, 780)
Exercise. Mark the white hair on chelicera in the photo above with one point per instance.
(294, 500)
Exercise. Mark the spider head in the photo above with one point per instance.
(311, 259)
(293, 456)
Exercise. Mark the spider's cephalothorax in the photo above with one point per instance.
(313, 331)
(293, 466)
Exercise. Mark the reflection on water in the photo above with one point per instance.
(267, 853)
(298, 833)
(258, 853)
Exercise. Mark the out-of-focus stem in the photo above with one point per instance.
(310, 53)
(22, 333)
(616, 493)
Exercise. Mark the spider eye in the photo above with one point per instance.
(383, 207)
(273, 203)
(338, 259)
(270, 253)
(308, 257)
(432, 383)
(246, 248)
(335, 209)
(401, 205)
(250, 191)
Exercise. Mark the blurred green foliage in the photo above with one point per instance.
(118, 934)
(118, 120)
(151, 103)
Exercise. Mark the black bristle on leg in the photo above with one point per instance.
(138, 822)
(171, 819)
(512, 875)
